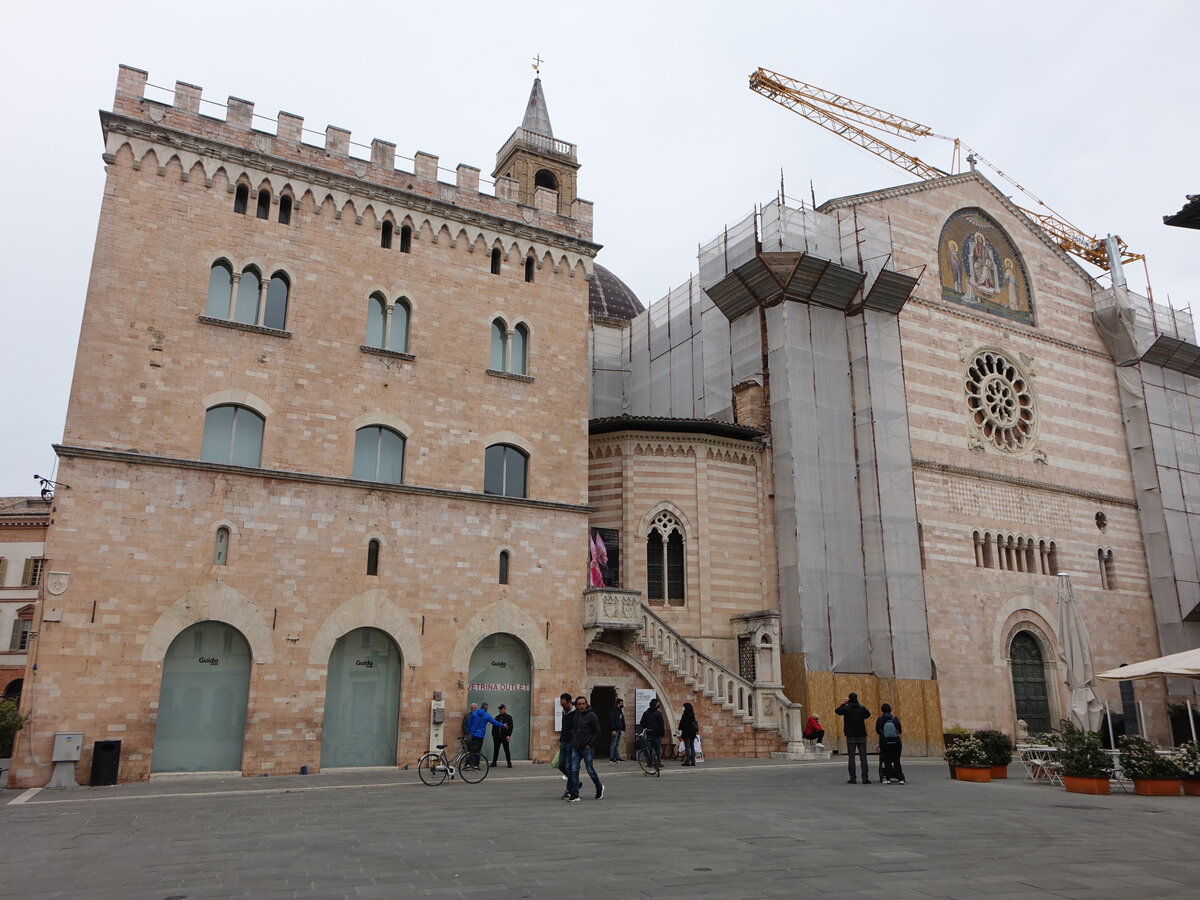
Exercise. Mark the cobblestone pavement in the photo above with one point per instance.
(733, 829)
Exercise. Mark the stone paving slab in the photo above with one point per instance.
(726, 829)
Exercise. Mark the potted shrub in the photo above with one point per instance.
(11, 721)
(1086, 765)
(1189, 764)
(970, 762)
(1153, 775)
(999, 749)
(952, 734)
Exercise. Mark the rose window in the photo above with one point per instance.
(1001, 402)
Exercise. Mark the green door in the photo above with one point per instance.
(1029, 683)
(500, 673)
(202, 701)
(362, 701)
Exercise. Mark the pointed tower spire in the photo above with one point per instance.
(537, 117)
(536, 160)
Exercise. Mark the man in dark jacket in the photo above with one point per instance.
(500, 736)
(586, 730)
(564, 739)
(888, 727)
(616, 721)
(854, 718)
(653, 726)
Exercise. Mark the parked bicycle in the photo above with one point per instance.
(468, 764)
(647, 753)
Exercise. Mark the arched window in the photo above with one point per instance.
(518, 354)
(1052, 559)
(249, 287)
(544, 178)
(495, 260)
(232, 434)
(221, 547)
(285, 210)
(405, 239)
(529, 269)
(505, 470)
(398, 331)
(241, 199)
(1108, 569)
(373, 557)
(499, 357)
(275, 311)
(664, 561)
(264, 204)
(503, 576)
(220, 290)
(379, 455)
(376, 320)
(385, 236)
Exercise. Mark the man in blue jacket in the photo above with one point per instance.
(477, 724)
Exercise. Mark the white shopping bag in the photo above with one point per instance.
(699, 750)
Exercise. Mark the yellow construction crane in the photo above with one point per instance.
(849, 119)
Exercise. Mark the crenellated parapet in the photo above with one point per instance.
(237, 149)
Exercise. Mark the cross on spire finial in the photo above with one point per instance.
(537, 64)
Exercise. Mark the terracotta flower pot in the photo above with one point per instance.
(1158, 787)
(973, 773)
(999, 771)
(1079, 784)
(1191, 787)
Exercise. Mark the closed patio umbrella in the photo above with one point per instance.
(1083, 707)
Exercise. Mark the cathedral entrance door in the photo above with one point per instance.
(362, 701)
(501, 672)
(1029, 683)
(202, 701)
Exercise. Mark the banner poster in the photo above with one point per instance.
(604, 558)
(641, 702)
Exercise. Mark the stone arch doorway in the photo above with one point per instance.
(1029, 682)
(501, 672)
(362, 700)
(202, 700)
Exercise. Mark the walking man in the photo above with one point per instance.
(500, 736)
(477, 723)
(586, 730)
(564, 739)
(888, 727)
(616, 721)
(854, 716)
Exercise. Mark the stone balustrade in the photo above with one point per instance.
(613, 609)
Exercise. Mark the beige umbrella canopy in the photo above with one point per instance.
(1177, 665)
(1083, 707)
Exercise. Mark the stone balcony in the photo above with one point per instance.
(612, 609)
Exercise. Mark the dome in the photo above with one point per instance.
(609, 297)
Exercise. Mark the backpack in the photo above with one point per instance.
(890, 732)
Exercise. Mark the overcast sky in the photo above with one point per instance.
(1092, 106)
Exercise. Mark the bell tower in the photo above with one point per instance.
(535, 159)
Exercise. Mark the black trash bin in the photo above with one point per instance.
(106, 760)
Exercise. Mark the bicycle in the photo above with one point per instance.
(434, 768)
(647, 758)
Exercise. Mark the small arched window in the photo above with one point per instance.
(221, 547)
(505, 470)
(275, 312)
(518, 354)
(503, 575)
(241, 199)
(285, 210)
(544, 178)
(495, 260)
(379, 455)
(1108, 569)
(232, 434)
(264, 204)
(220, 290)
(385, 236)
(665, 561)
(1052, 559)
(529, 269)
(398, 329)
(376, 320)
(499, 358)
(373, 556)
(405, 239)
(249, 287)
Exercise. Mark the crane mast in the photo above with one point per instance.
(849, 119)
